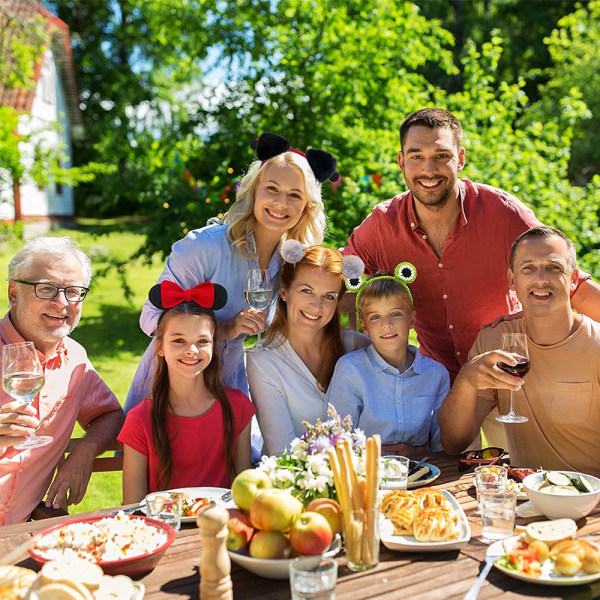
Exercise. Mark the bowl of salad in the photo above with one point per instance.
(559, 494)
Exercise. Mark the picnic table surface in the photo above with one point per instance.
(399, 575)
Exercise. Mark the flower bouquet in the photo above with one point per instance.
(304, 468)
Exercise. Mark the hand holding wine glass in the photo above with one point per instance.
(258, 292)
(22, 379)
(515, 344)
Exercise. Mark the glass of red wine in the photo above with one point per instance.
(516, 344)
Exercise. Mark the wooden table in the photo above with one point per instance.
(409, 576)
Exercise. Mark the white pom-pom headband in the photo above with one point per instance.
(292, 251)
(404, 273)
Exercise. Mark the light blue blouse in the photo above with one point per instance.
(205, 255)
(401, 407)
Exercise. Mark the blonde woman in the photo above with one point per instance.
(279, 198)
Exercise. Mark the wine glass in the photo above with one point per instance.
(23, 378)
(516, 344)
(258, 293)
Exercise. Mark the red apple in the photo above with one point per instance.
(239, 530)
(330, 509)
(311, 533)
(274, 510)
(247, 485)
(269, 544)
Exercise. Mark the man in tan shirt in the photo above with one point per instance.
(560, 395)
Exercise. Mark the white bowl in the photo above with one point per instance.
(558, 506)
(276, 568)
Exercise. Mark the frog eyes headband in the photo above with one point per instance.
(292, 251)
(404, 273)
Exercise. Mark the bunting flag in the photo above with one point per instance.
(335, 184)
(376, 177)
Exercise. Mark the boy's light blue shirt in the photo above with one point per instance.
(401, 407)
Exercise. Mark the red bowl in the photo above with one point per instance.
(131, 566)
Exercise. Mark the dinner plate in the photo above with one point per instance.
(214, 494)
(549, 575)
(407, 543)
(434, 473)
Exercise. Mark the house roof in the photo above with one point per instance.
(20, 11)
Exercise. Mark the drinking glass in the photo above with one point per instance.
(489, 477)
(166, 507)
(394, 469)
(361, 537)
(313, 578)
(258, 293)
(497, 514)
(516, 344)
(23, 378)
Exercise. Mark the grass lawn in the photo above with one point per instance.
(109, 328)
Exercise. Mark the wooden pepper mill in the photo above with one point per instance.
(215, 565)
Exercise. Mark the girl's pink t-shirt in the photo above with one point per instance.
(197, 443)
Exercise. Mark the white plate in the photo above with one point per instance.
(212, 493)
(276, 568)
(434, 473)
(548, 577)
(407, 543)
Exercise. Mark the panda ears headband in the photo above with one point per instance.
(404, 273)
(167, 294)
(321, 162)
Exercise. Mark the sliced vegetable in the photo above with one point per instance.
(557, 478)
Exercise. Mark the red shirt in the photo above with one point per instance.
(467, 287)
(197, 443)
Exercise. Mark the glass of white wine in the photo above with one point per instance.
(23, 378)
(258, 293)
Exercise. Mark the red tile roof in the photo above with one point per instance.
(19, 11)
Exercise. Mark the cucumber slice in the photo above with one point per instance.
(582, 484)
(556, 478)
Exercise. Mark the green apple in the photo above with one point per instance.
(269, 544)
(247, 485)
(275, 510)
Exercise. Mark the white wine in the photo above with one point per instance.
(23, 386)
(258, 299)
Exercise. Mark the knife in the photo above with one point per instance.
(417, 466)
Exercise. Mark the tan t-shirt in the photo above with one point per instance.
(560, 396)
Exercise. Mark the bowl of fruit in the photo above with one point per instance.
(562, 494)
(270, 527)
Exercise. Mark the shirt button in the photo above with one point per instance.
(424, 237)
(458, 353)
(21, 470)
(440, 265)
(412, 225)
(450, 326)
(445, 296)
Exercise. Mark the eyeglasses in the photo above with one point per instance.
(47, 291)
(486, 456)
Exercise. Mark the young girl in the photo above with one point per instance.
(279, 198)
(192, 431)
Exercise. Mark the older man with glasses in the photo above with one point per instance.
(48, 281)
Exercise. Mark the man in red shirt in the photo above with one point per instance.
(457, 233)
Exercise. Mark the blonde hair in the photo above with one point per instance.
(309, 229)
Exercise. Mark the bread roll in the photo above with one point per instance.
(551, 532)
(15, 582)
(59, 591)
(72, 569)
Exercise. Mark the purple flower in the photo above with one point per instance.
(320, 445)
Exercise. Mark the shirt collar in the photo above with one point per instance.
(381, 365)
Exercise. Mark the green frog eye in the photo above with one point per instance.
(353, 285)
(406, 272)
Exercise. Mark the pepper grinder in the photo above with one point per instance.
(215, 565)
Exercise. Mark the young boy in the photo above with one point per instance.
(389, 387)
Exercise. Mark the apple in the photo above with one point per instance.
(239, 530)
(247, 485)
(269, 544)
(330, 509)
(311, 534)
(274, 510)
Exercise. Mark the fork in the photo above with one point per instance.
(489, 561)
(226, 497)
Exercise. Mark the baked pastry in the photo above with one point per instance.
(390, 499)
(435, 525)
(403, 518)
(430, 497)
(15, 582)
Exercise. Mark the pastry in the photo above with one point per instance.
(15, 582)
(435, 525)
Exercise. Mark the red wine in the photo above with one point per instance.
(520, 369)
